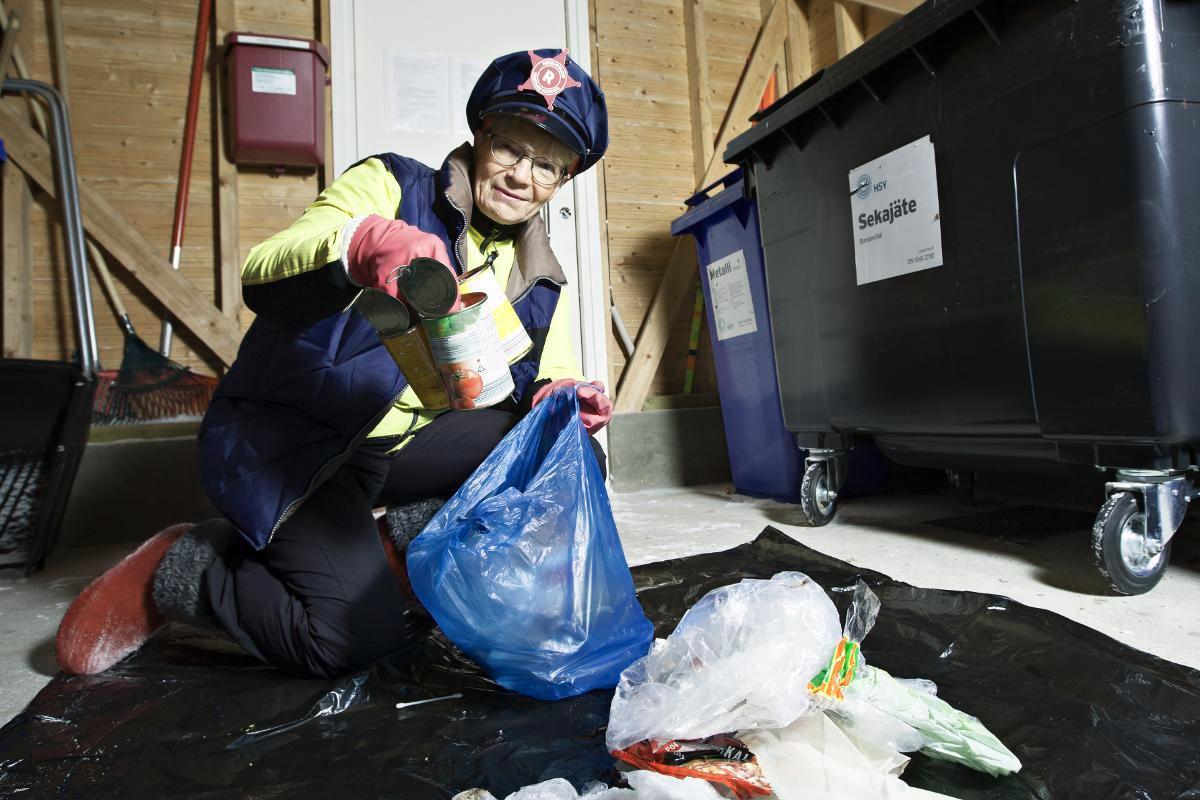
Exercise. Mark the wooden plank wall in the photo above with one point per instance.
(128, 69)
(640, 61)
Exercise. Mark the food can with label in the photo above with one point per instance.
(468, 354)
(513, 338)
(428, 286)
(406, 343)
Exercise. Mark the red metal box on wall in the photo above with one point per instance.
(276, 87)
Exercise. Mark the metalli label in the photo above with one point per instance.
(895, 216)
(729, 293)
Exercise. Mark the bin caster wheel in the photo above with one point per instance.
(818, 500)
(962, 481)
(1121, 550)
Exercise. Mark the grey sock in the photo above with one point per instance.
(179, 592)
(404, 522)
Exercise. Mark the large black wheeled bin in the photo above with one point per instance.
(982, 242)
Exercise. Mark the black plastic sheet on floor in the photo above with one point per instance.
(190, 716)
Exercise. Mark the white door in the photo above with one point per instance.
(401, 74)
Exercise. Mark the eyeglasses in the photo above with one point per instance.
(508, 153)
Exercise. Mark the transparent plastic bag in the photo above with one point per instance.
(653, 786)
(867, 723)
(560, 789)
(645, 786)
(846, 656)
(815, 759)
(878, 699)
(523, 568)
(741, 658)
(759, 655)
(906, 714)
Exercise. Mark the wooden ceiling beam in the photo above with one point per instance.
(892, 6)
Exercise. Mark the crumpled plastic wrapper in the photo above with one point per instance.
(646, 786)
(816, 759)
(740, 658)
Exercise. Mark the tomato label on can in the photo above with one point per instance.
(466, 348)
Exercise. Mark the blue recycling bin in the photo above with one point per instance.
(763, 456)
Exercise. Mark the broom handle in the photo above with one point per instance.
(110, 290)
(199, 48)
(57, 47)
(10, 39)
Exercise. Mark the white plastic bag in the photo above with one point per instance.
(646, 786)
(561, 789)
(815, 759)
(739, 659)
(656, 786)
(943, 731)
(556, 789)
(866, 723)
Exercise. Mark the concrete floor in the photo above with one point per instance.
(1036, 554)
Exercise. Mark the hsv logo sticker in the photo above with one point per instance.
(549, 77)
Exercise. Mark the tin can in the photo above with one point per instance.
(513, 338)
(428, 286)
(406, 343)
(412, 354)
(468, 354)
(386, 314)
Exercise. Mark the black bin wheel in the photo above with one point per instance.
(962, 481)
(1119, 546)
(818, 498)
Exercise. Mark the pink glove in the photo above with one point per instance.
(595, 409)
(377, 246)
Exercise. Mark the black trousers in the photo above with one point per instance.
(320, 599)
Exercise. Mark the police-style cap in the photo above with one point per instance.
(550, 90)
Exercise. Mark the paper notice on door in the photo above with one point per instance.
(418, 92)
(464, 75)
(730, 298)
(894, 214)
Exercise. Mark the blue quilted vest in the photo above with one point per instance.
(296, 403)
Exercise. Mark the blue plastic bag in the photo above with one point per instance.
(523, 569)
